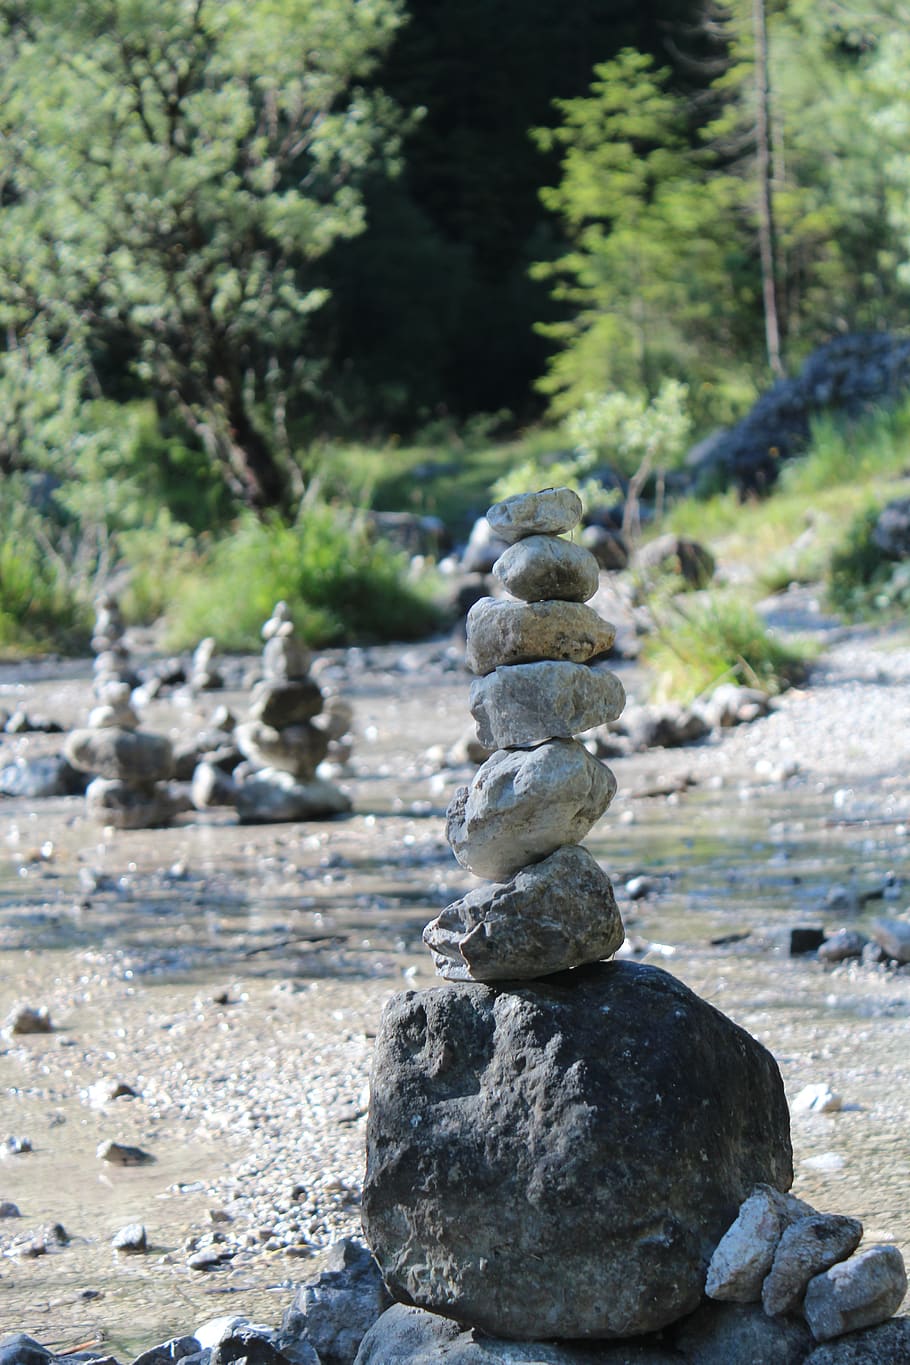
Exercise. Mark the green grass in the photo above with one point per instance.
(340, 584)
(719, 638)
(41, 607)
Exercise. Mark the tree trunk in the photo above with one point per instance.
(766, 234)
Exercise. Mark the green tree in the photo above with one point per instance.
(650, 272)
(171, 174)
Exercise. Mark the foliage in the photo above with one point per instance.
(649, 272)
(861, 580)
(171, 174)
(342, 585)
(40, 607)
(698, 645)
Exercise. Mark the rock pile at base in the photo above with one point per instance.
(130, 767)
(285, 737)
(558, 1145)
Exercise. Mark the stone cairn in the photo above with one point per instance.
(558, 1146)
(130, 766)
(284, 740)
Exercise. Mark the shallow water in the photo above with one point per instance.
(200, 960)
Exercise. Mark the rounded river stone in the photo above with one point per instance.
(549, 512)
(524, 804)
(552, 916)
(559, 1159)
(542, 567)
(500, 631)
(528, 703)
(119, 754)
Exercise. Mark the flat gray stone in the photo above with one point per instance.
(295, 749)
(548, 512)
(539, 568)
(126, 755)
(860, 1292)
(529, 703)
(560, 1159)
(500, 631)
(886, 1344)
(285, 702)
(411, 1336)
(524, 804)
(554, 915)
(123, 806)
(272, 796)
(744, 1254)
(806, 1248)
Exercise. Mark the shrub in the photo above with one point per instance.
(341, 585)
(701, 644)
(40, 607)
(861, 580)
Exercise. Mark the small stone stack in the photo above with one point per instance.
(556, 1143)
(131, 766)
(112, 658)
(550, 906)
(283, 739)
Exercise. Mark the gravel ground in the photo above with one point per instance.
(234, 977)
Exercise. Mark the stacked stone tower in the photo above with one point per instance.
(131, 766)
(556, 1143)
(283, 739)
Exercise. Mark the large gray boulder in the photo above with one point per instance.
(500, 631)
(524, 804)
(295, 749)
(560, 1159)
(271, 796)
(528, 703)
(550, 917)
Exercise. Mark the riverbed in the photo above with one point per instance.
(233, 976)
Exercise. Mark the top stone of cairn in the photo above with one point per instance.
(549, 512)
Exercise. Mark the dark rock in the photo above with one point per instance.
(335, 1311)
(131, 1240)
(178, 1348)
(607, 546)
(410, 1336)
(806, 938)
(20, 1349)
(247, 1344)
(891, 532)
(607, 1112)
(41, 777)
(740, 1334)
(673, 554)
(666, 726)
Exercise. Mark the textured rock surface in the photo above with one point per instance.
(523, 804)
(503, 632)
(744, 1254)
(411, 1336)
(528, 703)
(128, 755)
(740, 1334)
(334, 1312)
(860, 1292)
(542, 567)
(608, 1113)
(807, 1248)
(886, 1344)
(272, 795)
(548, 512)
(556, 914)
